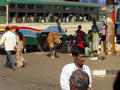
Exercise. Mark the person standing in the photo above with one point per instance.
(80, 37)
(9, 40)
(95, 37)
(104, 36)
(79, 80)
(94, 26)
(78, 54)
(89, 44)
(89, 39)
(20, 44)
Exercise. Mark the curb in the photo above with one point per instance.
(104, 72)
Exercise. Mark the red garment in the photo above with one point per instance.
(104, 30)
(81, 44)
(19, 20)
(79, 33)
(80, 36)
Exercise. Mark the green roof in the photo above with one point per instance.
(41, 2)
(3, 3)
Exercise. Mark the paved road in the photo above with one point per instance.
(42, 73)
(103, 83)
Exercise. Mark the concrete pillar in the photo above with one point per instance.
(83, 14)
(34, 16)
(7, 16)
(110, 39)
(61, 17)
(44, 15)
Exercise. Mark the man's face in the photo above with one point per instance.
(79, 60)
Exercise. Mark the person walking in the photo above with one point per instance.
(9, 40)
(78, 54)
(79, 80)
(20, 44)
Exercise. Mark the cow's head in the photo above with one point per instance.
(57, 39)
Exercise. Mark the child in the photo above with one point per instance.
(88, 45)
(71, 42)
(88, 51)
(89, 40)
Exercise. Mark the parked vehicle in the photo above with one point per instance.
(34, 38)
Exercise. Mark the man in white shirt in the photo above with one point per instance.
(78, 54)
(9, 40)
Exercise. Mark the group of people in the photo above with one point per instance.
(50, 18)
(23, 19)
(90, 41)
(77, 75)
(95, 39)
(74, 76)
(14, 43)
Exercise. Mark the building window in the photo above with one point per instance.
(39, 6)
(12, 5)
(2, 14)
(21, 6)
(66, 8)
(91, 9)
(2, 11)
(85, 8)
(30, 6)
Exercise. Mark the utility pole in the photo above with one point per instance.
(110, 35)
(7, 13)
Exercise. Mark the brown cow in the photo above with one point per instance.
(53, 41)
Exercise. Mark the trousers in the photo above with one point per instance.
(9, 59)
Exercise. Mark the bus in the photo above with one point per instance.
(35, 39)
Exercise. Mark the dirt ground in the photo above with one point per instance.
(41, 73)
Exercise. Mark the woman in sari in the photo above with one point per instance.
(20, 44)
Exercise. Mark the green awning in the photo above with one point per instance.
(3, 3)
(41, 2)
